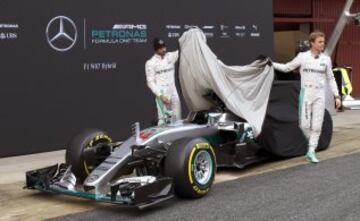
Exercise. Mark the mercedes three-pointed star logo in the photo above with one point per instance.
(66, 34)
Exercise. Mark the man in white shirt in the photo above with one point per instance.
(315, 71)
(160, 76)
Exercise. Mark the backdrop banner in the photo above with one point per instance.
(69, 65)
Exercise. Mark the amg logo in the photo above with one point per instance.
(130, 26)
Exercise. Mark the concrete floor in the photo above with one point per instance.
(326, 191)
(19, 204)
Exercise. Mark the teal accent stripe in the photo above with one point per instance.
(161, 105)
(301, 99)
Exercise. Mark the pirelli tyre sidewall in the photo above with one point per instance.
(185, 162)
(80, 166)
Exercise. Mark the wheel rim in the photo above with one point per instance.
(202, 167)
(90, 158)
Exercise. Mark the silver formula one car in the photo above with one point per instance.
(153, 164)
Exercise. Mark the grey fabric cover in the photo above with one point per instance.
(245, 89)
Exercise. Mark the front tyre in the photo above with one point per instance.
(191, 163)
(86, 151)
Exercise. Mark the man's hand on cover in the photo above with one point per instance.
(264, 57)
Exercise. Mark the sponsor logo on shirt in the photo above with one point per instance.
(164, 70)
(310, 70)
